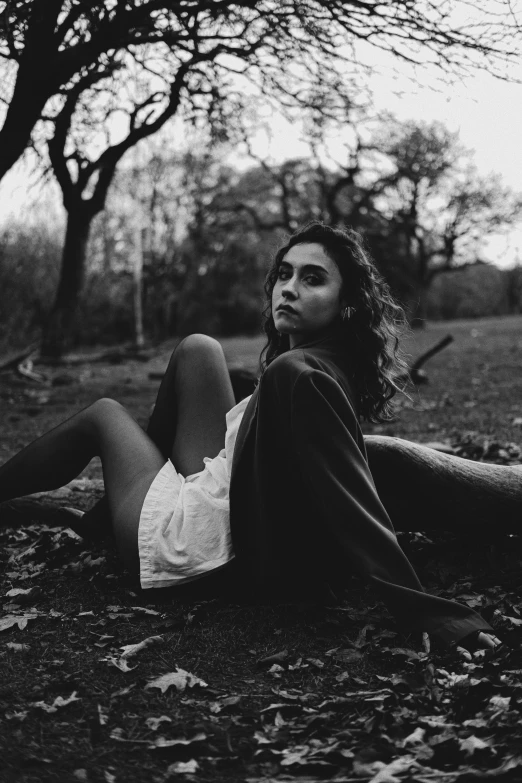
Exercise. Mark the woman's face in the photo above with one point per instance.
(307, 294)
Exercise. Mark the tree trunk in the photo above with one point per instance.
(139, 335)
(419, 313)
(57, 333)
(424, 489)
(36, 80)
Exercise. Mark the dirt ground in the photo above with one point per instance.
(259, 693)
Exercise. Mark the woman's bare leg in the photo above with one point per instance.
(202, 394)
(130, 461)
(195, 393)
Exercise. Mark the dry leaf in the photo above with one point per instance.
(20, 620)
(180, 679)
(58, 702)
(144, 610)
(471, 744)
(20, 715)
(18, 647)
(162, 742)
(153, 723)
(275, 658)
(316, 662)
(120, 663)
(183, 767)
(133, 649)
(103, 716)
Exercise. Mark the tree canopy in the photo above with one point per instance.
(290, 50)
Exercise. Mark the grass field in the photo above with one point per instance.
(342, 695)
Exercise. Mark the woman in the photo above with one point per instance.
(304, 510)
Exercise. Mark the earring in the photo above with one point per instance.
(346, 313)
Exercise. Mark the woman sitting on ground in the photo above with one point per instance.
(272, 496)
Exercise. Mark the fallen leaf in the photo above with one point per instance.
(153, 723)
(295, 755)
(298, 665)
(183, 767)
(19, 591)
(415, 738)
(411, 654)
(20, 715)
(500, 703)
(470, 744)
(316, 662)
(120, 663)
(275, 658)
(18, 647)
(162, 742)
(133, 649)
(223, 704)
(144, 610)
(103, 716)
(58, 702)
(20, 620)
(180, 679)
(513, 620)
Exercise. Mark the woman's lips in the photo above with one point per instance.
(286, 309)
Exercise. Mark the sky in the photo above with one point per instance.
(486, 111)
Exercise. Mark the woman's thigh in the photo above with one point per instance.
(130, 462)
(203, 396)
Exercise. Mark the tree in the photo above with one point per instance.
(48, 45)
(85, 168)
(204, 59)
(439, 210)
(186, 66)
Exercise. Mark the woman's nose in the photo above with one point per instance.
(289, 288)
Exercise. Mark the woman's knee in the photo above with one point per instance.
(101, 412)
(104, 407)
(196, 356)
(198, 346)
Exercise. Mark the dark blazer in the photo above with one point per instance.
(304, 510)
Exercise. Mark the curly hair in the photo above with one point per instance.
(371, 334)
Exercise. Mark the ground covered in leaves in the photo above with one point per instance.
(104, 682)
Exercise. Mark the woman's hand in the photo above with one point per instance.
(478, 645)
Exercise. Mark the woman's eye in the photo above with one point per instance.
(313, 279)
(282, 274)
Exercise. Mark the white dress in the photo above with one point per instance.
(184, 528)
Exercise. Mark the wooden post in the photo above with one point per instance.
(139, 338)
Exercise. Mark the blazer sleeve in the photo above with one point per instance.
(329, 449)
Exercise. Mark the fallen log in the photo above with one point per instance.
(14, 358)
(421, 489)
(424, 489)
(415, 373)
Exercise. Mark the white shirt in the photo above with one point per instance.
(184, 528)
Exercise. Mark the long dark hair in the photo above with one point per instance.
(372, 332)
